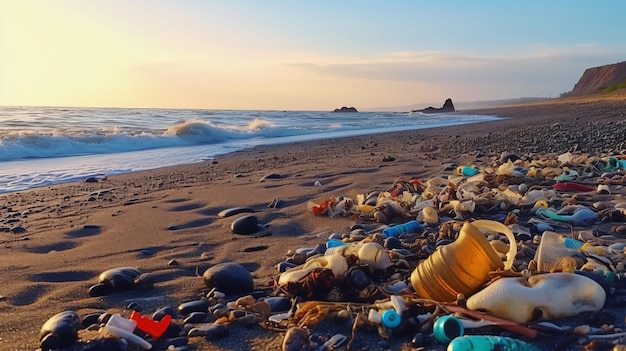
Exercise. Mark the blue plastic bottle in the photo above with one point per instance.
(488, 343)
(408, 227)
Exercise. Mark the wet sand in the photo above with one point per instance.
(56, 240)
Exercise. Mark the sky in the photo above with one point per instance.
(299, 55)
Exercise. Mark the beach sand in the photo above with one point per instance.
(73, 232)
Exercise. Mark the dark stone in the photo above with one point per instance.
(60, 331)
(246, 225)
(164, 311)
(118, 279)
(271, 176)
(278, 304)
(228, 278)
(193, 306)
(283, 266)
(133, 306)
(91, 180)
(217, 331)
(506, 157)
(195, 317)
(419, 340)
(144, 281)
(448, 106)
(18, 230)
(100, 290)
(90, 319)
(359, 279)
(392, 243)
(345, 109)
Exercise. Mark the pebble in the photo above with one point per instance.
(246, 225)
(193, 306)
(210, 331)
(60, 331)
(296, 339)
(164, 311)
(116, 279)
(228, 278)
(278, 304)
(195, 317)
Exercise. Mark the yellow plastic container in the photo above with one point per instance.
(462, 266)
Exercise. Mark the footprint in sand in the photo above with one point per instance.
(59, 246)
(187, 207)
(29, 295)
(61, 277)
(192, 224)
(86, 230)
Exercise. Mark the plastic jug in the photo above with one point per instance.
(462, 266)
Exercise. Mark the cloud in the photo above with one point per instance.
(538, 64)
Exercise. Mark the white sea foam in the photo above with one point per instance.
(44, 146)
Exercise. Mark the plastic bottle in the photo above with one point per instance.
(581, 217)
(489, 343)
(397, 230)
(553, 247)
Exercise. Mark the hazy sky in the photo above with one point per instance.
(299, 55)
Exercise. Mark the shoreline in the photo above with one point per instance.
(74, 231)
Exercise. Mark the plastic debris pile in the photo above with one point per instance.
(486, 258)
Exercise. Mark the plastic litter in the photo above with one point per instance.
(462, 266)
(489, 343)
(151, 327)
(397, 230)
(582, 216)
(570, 186)
(446, 328)
(554, 247)
(554, 295)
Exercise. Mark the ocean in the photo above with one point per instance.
(42, 146)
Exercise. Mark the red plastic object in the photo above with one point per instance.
(151, 327)
(569, 186)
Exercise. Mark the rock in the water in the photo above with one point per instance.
(228, 278)
(60, 331)
(345, 109)
(448, 106)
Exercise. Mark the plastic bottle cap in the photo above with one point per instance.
(391, 319)
(447, 328)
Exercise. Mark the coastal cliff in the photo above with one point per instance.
(601, 79)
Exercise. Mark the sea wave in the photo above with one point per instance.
(17, 145)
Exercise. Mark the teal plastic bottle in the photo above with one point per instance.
(488, 343)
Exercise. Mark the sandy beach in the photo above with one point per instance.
(57, 240)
